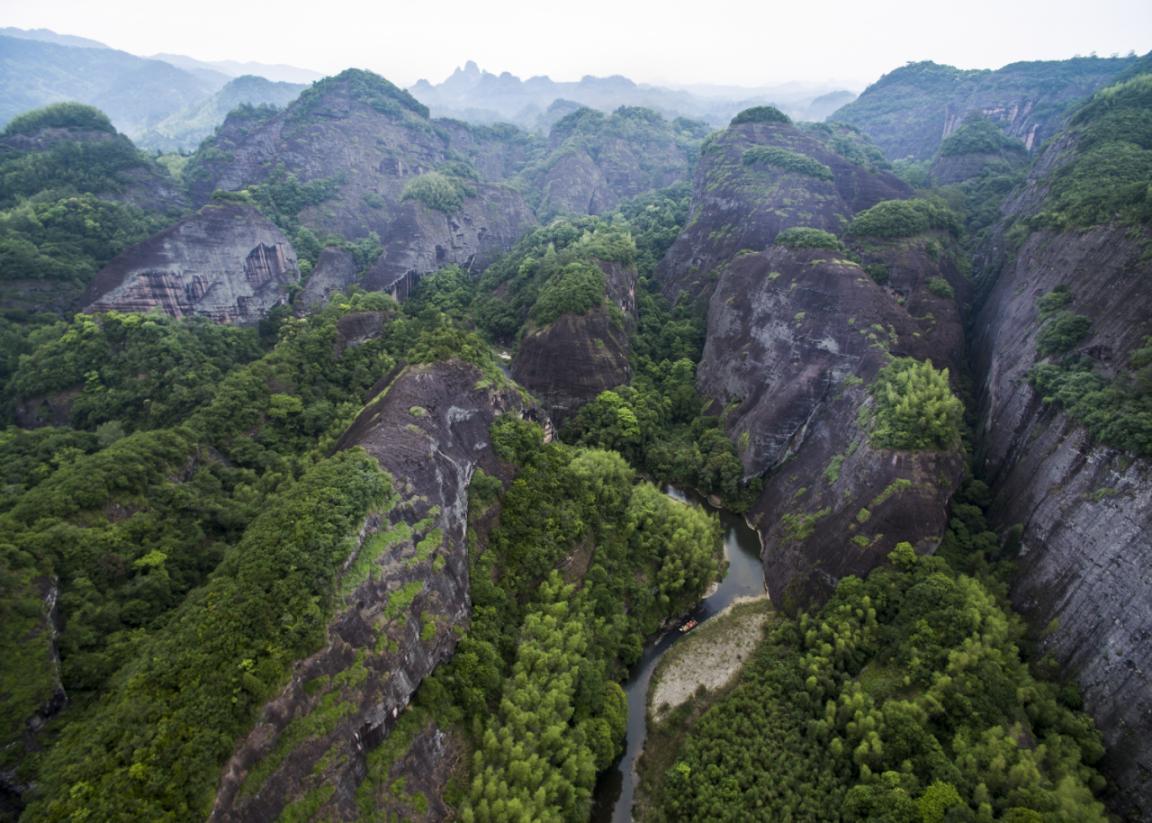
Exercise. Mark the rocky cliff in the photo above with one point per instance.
(799, 326)
(752, 182)
(1085, 507)
(226, 262)
(909, 111)
(595, 161)
(405, 603)
(568, 362)
(1058, 347)
(355, 156)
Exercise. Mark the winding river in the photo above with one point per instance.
(744, 578)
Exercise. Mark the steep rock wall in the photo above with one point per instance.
(1086, 550)
(403, 605)
(226, 262)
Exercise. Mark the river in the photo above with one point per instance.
(612, 802)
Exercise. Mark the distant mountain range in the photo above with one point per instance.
(536, 103)
(167, 102)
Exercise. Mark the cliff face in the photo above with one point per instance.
(596, 161)
(571, 360)
(226, 262)
(909, 111)
(739, 203)
(1086, 509)
(405, 603)
(794, 339)
(365, 141)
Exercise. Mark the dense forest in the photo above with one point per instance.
(389, 546)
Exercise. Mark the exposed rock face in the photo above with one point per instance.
(737, 206)
(369, 140)
(335, 271)
(794, 337)
(226, 262)
(401, 614)
(570, 361)
(909, 111)
(596, 161)
(1086, 509)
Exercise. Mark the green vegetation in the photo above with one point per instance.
(979, 135)
(64, 212)
(1111, 162)
(891, 219)
(915, 407)
(60, 116)
(785, 160)
(363, 87)
(1061, 332)
(904, 698)
(802, 237)
(225, 650)
(438, 190)
(1115, 411)
(941, 288)
(761, 114)
(549, 273)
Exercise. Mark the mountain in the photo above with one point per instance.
(186, 129)
(276, 72)
(49, 36)
(136, 93)
(482, 97)
(909, 111)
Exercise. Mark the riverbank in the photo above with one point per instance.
(680, 684)
(709, 657)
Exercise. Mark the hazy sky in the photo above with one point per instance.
(743, 42)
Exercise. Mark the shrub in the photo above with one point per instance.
(1061, 332)
(802, 237)
(979, 136)
(941, 288)
(436, 191)
(915, 407)
(785, 160)
(892, 219)
(761, 114)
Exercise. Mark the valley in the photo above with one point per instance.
(362, 463)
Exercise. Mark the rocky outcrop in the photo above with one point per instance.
(403, 604)
(364, 141)
(740, 205)
(571, 360)
(1086, 509)
(909, 111)
(794, 338)
(596, 161)
(226, 262)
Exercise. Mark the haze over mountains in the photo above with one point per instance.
(341, 457)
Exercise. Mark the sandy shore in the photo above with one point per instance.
(710, 656)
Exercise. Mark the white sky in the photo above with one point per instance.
(739, 42)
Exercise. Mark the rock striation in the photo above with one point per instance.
(1085, 509)
(364, 142)
(404, 604)
(227, 262)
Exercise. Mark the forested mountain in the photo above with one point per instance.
(334, 482)
(911, 110)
